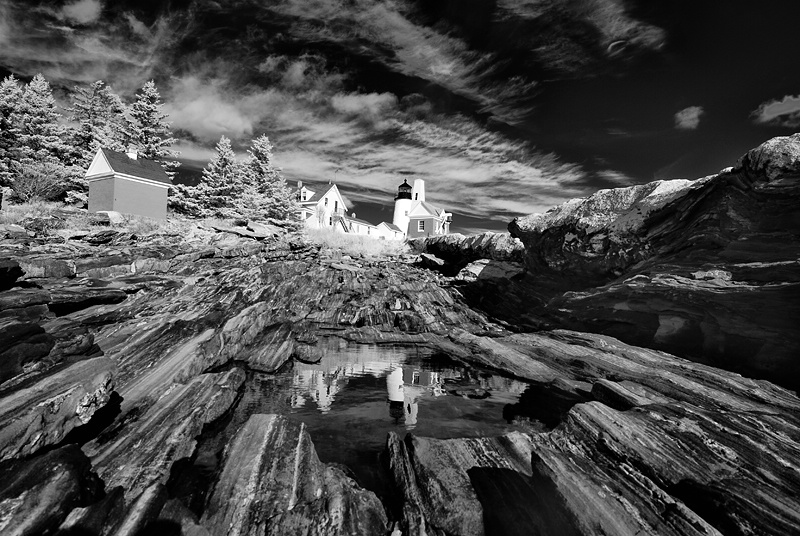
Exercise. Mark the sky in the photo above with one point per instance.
(503, 107)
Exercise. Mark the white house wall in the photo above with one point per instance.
(99, 165)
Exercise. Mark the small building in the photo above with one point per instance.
(390, 231)
(361, 227)
(128, 184)
(325, 212)
(415, 216)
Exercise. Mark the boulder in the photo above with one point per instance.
(142, 515)
(110, 217)
(10, 271)
(13, 231)
(99, 518)
(265, 230)
(486, 269)
(65, 300)
(40, 415)
(773, 159)
(21, 342)
(20, 298)
(249, 337)
(102, 237)
(47, 267)
(438, 495)
(37, 494)
(432, 262)
(273, 483)
(141, 452)
(459, 250)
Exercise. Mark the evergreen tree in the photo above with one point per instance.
(220, 190)
(99, 113)
(10, 98)
(269, 197)
(149, 130)
(41, 135)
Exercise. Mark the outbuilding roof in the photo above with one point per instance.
(392, 226)
(137, 167)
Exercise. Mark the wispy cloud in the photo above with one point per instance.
(324, 122)
(689, 118)
(83, 11)
(69, 45)
(784, 112)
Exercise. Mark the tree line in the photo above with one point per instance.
(45, 153)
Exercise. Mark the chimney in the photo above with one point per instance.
(353, 215)
(299, 184)
(132, 153)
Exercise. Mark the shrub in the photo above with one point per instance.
(39, 180)
(356, 245)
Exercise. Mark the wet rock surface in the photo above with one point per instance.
(272, 482)
(120, 354)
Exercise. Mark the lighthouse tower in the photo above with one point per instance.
(402, 204)
(418, 192)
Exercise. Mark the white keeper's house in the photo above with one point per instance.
(413, 215)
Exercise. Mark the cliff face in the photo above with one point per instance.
(707, 269)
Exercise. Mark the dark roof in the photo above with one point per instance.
(405, 184)
(362, 222)
(140, 167)
(393, 227)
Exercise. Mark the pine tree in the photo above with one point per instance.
(149, 130)
(10, 97)
(220, 190)
(99, 113)
(271, 197)
(41, 135)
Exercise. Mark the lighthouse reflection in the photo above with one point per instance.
(405, 385)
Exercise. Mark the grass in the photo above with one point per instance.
(53, 216)
(33, 209)
(356, 245)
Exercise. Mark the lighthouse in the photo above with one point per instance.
(402, 204)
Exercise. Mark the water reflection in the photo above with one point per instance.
(356, 394)
(405, 386)
(320, 384)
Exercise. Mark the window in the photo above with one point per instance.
(335, 205)
(421, 225)
(330, 220)
(416, 196)
(406, 213)
(303, 195)
(326, 201)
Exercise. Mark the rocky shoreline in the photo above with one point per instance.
(118, 352)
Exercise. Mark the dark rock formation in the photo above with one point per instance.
(142, 453)
(663, 446)
(458, 249)
(10, 271)
(39, 415)
(101, 517)
(37, 494)
(706, 269)
(273, 483)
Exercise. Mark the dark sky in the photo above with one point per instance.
(504, 107)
